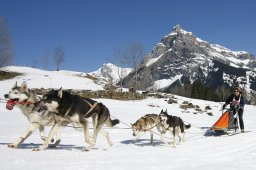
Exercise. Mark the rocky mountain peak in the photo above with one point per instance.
(176, 28)
(181, 58)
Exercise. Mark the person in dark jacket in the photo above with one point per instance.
(237, 102)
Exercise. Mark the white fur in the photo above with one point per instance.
(36, 119)
(52, 106)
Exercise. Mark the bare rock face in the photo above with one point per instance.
(181, 58)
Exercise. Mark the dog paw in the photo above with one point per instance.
(44, 139)
(35, 149)
(93, 144)
(12, 146)
(38, 149)
(110, 143)
(88, 147)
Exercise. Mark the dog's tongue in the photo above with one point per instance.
(9, 104)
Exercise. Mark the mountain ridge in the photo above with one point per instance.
(182, 56)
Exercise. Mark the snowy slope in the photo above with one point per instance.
(198, 152)
(51, 79)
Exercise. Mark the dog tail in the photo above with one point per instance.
(110, 123)
(105, 117)
(188, 126)
(114, 122)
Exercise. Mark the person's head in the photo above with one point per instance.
(237, 91)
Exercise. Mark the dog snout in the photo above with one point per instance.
(6, 96)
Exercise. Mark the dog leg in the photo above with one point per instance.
(41, 130)
(95, 124)
(43, 137)
(95, 133)
(162, 133)
(138, 136)
(163, 137)
(174, 138)
(53, 131)
(88, 143)
(151, 137)
(25, 135)
(183, 137)
(58, 140)
(179, 138)
(106, 134)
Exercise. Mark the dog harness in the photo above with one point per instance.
(90, 113)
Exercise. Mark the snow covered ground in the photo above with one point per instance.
(198, 152)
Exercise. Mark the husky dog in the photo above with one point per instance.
(173, 124)
(24, 98)
(70, 108)
(146, 123)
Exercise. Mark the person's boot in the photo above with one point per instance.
(242, 130)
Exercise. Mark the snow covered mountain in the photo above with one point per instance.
(111, 72)
(181, 59)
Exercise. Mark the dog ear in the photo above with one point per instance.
(15, 84)
(24, 86)
(162, 111)
(33, 94)
(60, 92)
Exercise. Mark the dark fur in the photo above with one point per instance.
(70, 108)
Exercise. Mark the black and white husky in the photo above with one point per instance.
(174, 125)
(70, 108)
(25, 99)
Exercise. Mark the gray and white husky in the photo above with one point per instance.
(174, 125)
(70, 108)
(146, 123)
(25, 99)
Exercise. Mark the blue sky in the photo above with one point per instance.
(89, 30)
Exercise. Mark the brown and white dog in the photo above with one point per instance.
(144, 124)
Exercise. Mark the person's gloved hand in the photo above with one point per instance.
(223, 107)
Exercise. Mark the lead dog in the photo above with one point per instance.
(174, 125)
(146, 123)
(70, 108)
(22, 97)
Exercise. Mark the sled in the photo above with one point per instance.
(225, 123)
